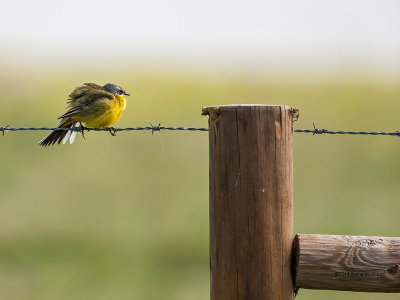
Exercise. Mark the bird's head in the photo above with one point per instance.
(115, 89)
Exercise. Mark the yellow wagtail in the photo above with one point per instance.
(92, 105)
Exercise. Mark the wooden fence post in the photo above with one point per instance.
(251, 201)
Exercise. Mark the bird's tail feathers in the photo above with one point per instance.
(60, 135)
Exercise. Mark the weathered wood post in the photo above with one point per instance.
(251, 201)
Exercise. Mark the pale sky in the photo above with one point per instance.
(318, 31)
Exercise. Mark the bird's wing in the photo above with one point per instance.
(84, 97)
(92, 107)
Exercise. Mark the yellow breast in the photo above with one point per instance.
(109, 116)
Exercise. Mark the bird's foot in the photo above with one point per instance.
(112, 131)
(83, 128)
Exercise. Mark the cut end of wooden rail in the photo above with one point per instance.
(347, 263)
(295, 258)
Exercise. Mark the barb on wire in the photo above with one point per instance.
(4, 128)
(318, 131)
(154, 128)
(158, 127)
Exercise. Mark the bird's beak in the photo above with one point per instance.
(126, 94)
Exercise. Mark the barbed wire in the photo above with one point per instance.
(109, 129)
(325, 131)
(158, 127)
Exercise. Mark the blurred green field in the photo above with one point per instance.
(126, 217)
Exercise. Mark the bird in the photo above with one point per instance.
(89, 105)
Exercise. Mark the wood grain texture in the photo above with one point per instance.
(251, 202)
(347, 263)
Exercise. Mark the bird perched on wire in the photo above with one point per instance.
(89, 105)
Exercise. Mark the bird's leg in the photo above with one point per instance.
(112, 131)
(83, 128)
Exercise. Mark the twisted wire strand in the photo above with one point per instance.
(325, 131)
(158, 127)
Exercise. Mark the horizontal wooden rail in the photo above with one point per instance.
(347, 263)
